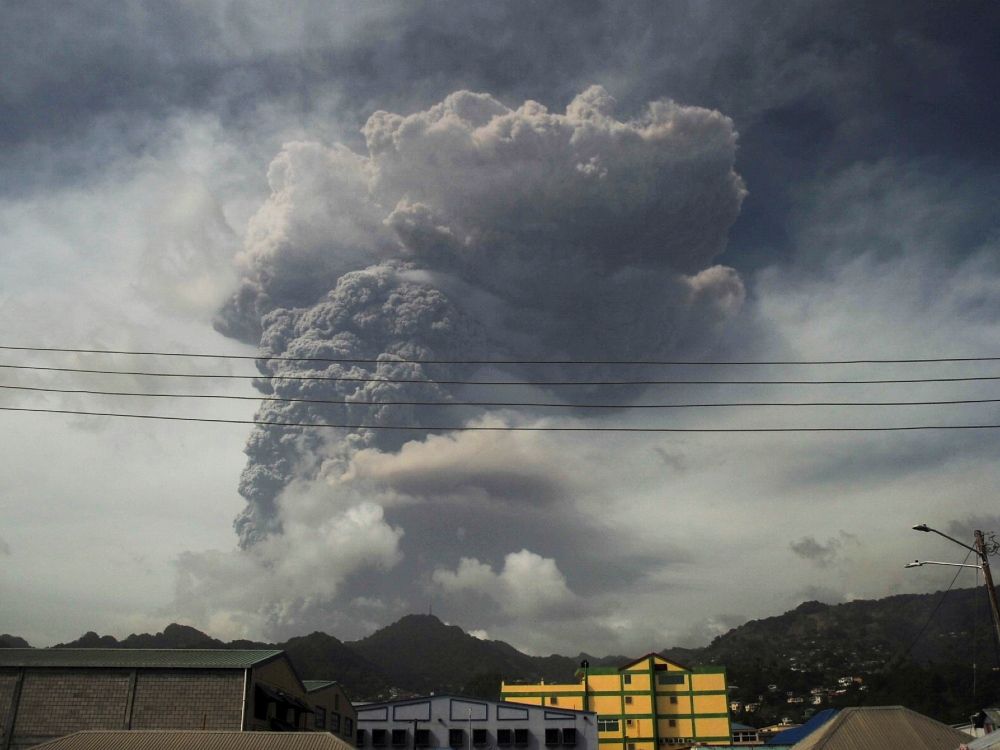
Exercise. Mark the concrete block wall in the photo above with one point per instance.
(7, 682)
(56, 702)
(188, 699)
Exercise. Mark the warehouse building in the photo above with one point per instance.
(332, 709)
(642, 705)
(445, 721)
(49, 693)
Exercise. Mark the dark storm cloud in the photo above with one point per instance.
(811, 85)
(962, 528)
(822, 554)
(888, 460)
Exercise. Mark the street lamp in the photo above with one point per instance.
(921, 563)
(984, 565)
(927, 529)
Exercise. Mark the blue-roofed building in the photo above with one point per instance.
(790, 736)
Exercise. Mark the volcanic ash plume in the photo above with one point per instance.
(470, 231)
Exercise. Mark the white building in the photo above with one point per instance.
(445, 721)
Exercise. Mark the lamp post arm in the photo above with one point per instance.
(920, 563)
(953, 539)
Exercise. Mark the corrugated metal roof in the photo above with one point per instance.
(882, 728)
(136, 658)
(989, 741)
(793, 735)
(194, 740)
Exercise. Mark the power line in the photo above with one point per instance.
(479, 428)
(512, 404)
(362, 360)
(934, 611)
(349, 379)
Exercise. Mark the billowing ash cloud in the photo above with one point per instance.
(469, 231)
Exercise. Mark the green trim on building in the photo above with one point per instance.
(654, 691)
(621, 695)
(694, 716)
(717, 715)
(628, 716)
(652, 699)
(559, 693)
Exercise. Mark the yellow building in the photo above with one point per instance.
(644, 704)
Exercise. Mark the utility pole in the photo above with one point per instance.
(990, 589)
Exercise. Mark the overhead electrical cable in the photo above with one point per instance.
(361, 360)
(511, 404)
(933, 612)
(433, 381)
(504, 428)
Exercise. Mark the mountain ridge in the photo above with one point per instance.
(893, 644)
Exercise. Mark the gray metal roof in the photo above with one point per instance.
(136, 658)
(882, 728)
(194, 740)
(989, 741)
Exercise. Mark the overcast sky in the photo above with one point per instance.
(484, 181)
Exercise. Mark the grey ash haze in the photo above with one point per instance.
(394, 181)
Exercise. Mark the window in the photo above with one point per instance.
(335, 722)
(569, 736)
(422, 738)
(399, 738)
(669, 679)
(554, 701)
(631, 746)
(628, 722)
(628, 700)
(673, 722)
(348, 726)
(628, 679)
(378, 738)
(673, 700)
(320, 716)
(361, 738)
(456, 738)
(520, 736)
(551, 736)
(478, 737)
(504, 737)
(607, 725)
